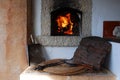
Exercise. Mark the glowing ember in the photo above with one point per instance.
(65, 24)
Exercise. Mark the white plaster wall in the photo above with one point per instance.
(114, 64)
(36, 17)
(107, 10)
(59, 52)
(104, 10)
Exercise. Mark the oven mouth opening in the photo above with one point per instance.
(66, 22)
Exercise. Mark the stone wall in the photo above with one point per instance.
(48, 6)
(13, 22)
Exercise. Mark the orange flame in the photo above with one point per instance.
(65, 22)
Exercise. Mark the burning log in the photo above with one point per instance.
(88, 57)
(65, 22)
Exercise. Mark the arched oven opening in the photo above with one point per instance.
(66, 21)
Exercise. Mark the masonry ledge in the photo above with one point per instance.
(31, 74)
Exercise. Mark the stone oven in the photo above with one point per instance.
(77, 14)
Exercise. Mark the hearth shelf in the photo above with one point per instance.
(30, 74)
(59, 41)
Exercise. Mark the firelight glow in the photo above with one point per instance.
(65, 22)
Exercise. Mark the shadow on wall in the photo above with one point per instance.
(37, 53)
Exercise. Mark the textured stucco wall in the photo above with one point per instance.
(13, 21)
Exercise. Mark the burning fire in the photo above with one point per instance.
(64, 22)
